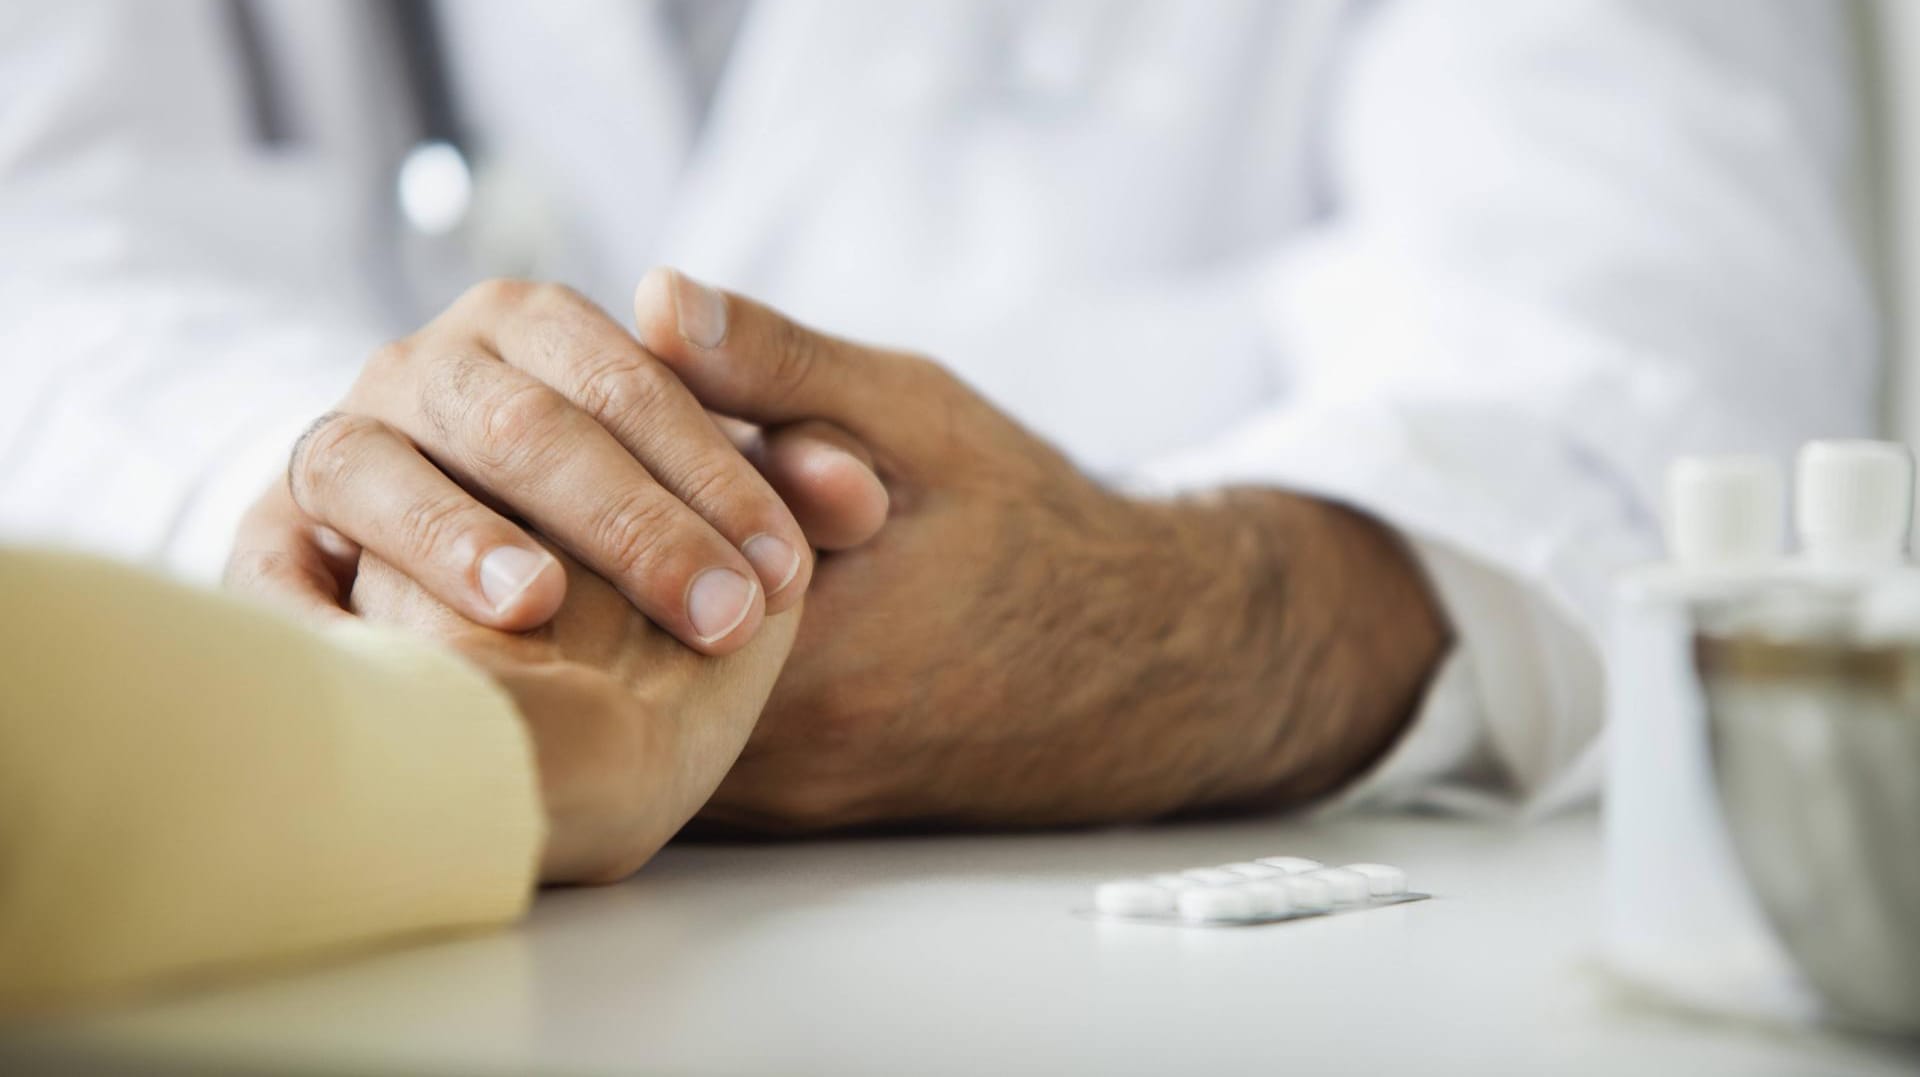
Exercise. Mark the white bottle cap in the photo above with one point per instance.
(1724, 510)
(1852, 501)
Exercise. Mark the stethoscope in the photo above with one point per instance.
(434, 182)
(463, 211)
(459, 212)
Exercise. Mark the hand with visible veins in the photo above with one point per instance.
(1019, 646)
(525, 402)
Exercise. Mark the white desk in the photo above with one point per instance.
(958, 955)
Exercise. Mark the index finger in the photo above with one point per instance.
(563, 339)
(496, 428)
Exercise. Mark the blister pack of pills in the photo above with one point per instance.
(1262, 891)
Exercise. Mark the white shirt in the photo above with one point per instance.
(1479, 268)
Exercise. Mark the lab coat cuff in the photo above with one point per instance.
(1428, 766)
(1442, 759)
(1515, 707)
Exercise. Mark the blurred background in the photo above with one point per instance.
(983, 182)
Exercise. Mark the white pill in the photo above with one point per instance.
(1171, 881)
(1292, 865)
(1211, 876)
(1347, 887)
(1309, 894)
(1133, 897)
(1251, 870)
(1216, 903)
(1270, 896)
(1384, 880)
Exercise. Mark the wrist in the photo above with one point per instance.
(1319, 628)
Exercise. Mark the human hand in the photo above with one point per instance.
(1021, 646)
(631, 730)
(526, 401)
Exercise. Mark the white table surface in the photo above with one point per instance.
(959, 955)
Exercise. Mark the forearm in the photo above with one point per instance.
(1342, 634)
(1022, 647)
(1246, 647)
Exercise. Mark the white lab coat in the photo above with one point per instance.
(1477, 267)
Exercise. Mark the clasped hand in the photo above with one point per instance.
(1016, 645)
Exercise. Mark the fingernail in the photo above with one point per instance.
(507, 571)
(773, 559)
(717, 602)
(700, 311)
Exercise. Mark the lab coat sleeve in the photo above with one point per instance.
(191, 785)
(1567, 243)
(176, 303)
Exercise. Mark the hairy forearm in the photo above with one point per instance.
(1249, 647)
(1351, 631)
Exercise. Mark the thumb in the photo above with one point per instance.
(745, 359)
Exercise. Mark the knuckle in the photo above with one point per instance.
(496, 292)
(388, 359)
(549, 295)
(427, 525)
(327, 454)
(631, 532)
(710, 481)
(449, 389)
(791, 358)
(515, 428)
(616, 389)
